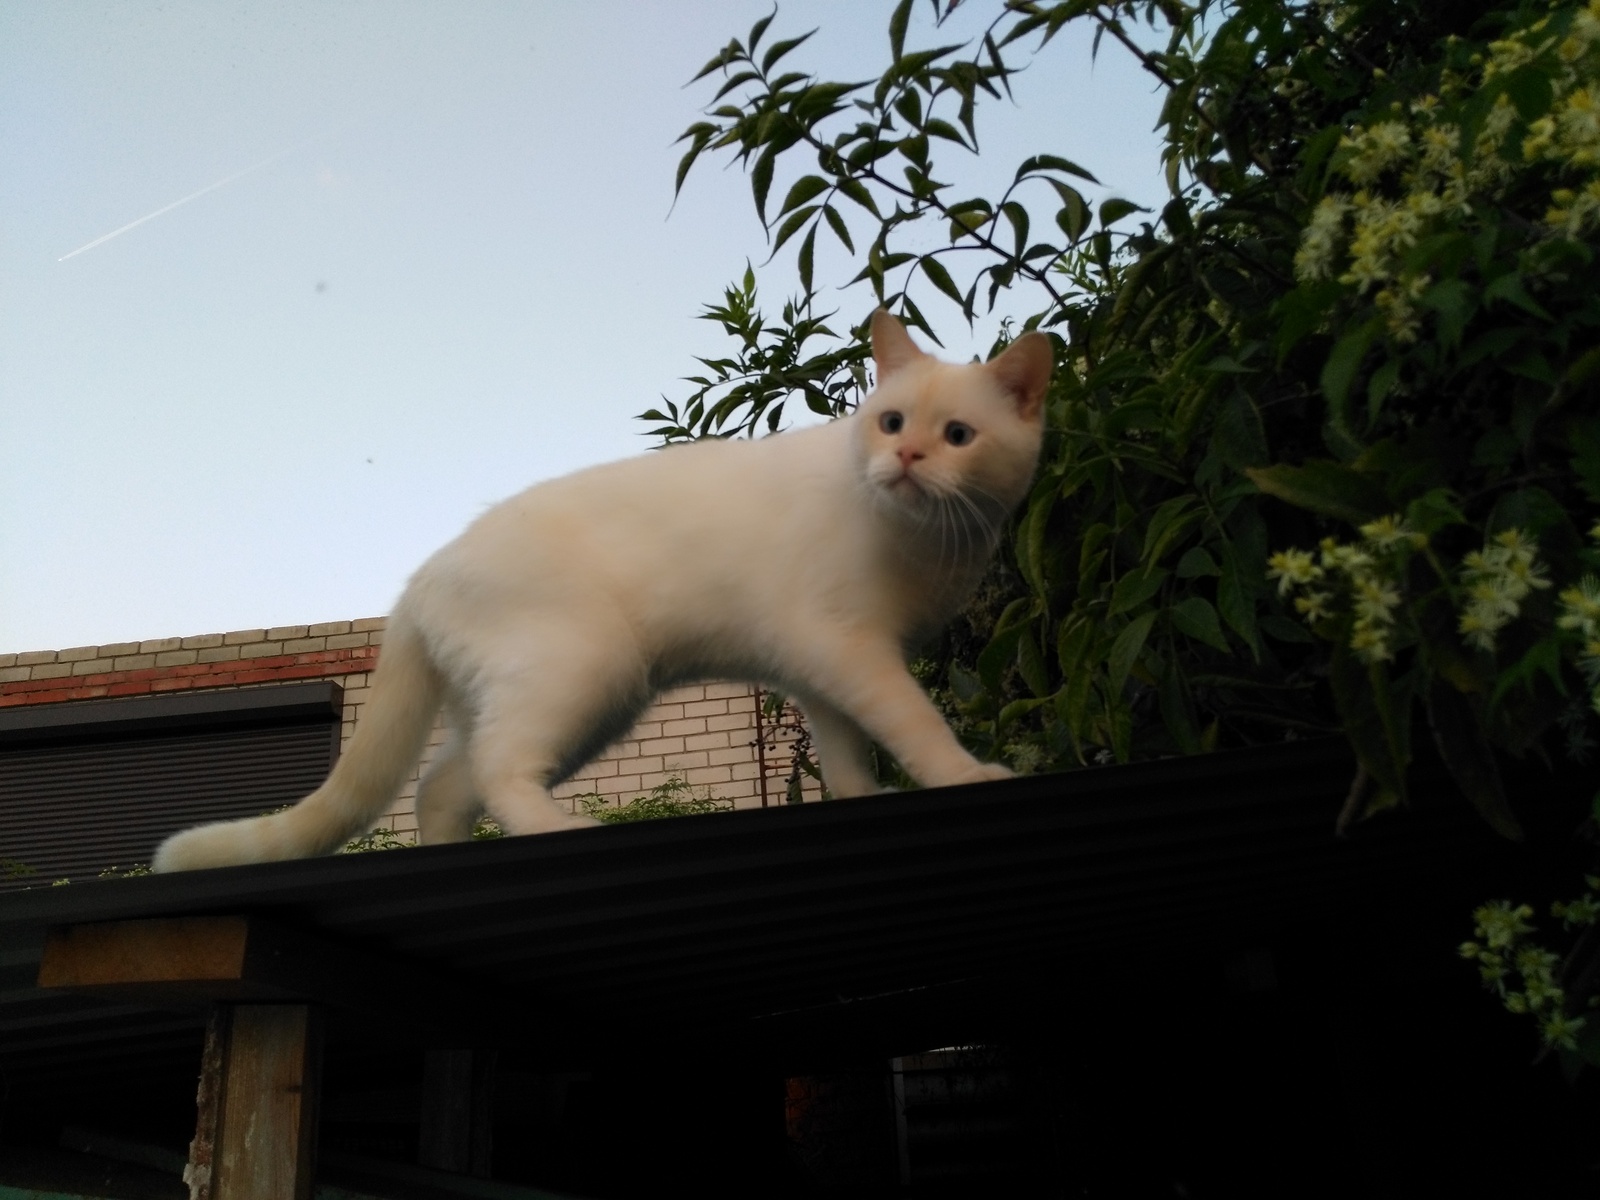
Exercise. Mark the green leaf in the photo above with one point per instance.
(1165, 524)
(1343, 364)
(1455, 303)
(1364, 725)
(803, 265)
(1030, 665)
(1175, 216)
(1509, 287)
(1236, 599)
(1015, 710)
(1018, 216)
(761, 180)
(897, 28)
(854, 189)
(999, 656)
(1050, 162)
(943, 129)
(759, 28)
(1325, 487)
(1073, 216)
(1177, 708)
(1528, 87)
(1134, 588)
(779, 49)
(1197, 561)
(734, 81)
(1240, 439)
(1030, 538)
(1284, 630)
(1073, 645)
(1119, 718)
(940, 278)
(1379, 387)
(805, 188)
(968, 688)
(732, 52)
(792, 225)
(1125, 650)
(1464, 746)
(1584, 442)
(1114, 209)
(909, 106)
(840, 230)
(1196, 618)
(1433, 511)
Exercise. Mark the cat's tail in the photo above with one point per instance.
(369, 774)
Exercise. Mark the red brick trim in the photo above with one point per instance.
(318, 664)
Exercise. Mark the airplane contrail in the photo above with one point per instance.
(210, 187)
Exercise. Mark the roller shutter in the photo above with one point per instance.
(91, 785)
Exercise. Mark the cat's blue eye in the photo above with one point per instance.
(891, 422)
(959, 433)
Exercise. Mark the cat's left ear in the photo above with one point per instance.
(1024, 370)
(892, 347)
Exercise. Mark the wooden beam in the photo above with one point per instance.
(260, 1078)
(198, 961)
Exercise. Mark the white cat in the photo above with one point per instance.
(811, 562)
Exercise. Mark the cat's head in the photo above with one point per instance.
(941, 441)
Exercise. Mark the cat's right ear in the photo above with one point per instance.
(892, 347)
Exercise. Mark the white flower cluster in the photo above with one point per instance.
(1580, 613)
(1369, 574)
(1497, 580)
(1410, 171)
(1524, 974)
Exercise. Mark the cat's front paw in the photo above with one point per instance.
(986, 773)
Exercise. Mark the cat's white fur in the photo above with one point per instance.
(812, 562)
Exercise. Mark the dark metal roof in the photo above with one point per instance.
(790, 923)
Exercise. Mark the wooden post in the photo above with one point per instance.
(208, 1105)
(457, 1111)
(259, 1082)
(255, 1134)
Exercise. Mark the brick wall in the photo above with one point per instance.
(705, 733)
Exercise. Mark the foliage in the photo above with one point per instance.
(673, 797)
(380, 838)
(383, 838)
(1361, 312)
(1363, 321)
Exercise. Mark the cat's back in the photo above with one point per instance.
(714, 509)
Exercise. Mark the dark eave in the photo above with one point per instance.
(762, 926)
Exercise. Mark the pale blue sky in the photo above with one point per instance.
(268, 405)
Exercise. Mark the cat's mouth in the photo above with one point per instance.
(905, 484)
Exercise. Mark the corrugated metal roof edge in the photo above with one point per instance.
(1308, 772)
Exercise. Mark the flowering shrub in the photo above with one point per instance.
(1365, 320)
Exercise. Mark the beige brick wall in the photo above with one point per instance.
(704, 733)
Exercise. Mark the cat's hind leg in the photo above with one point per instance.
(447, 806)
(843, 751)
(534, 717)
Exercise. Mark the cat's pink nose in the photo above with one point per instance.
(909, 455)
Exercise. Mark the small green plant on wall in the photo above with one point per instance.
(673, 797)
